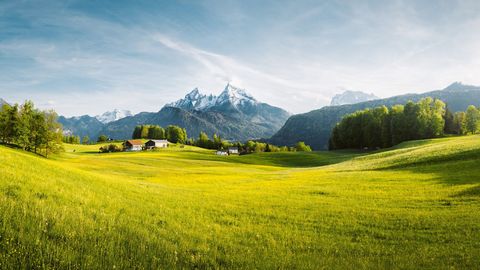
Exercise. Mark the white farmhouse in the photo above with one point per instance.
(156, 144)
(221, 153)
(233, 150)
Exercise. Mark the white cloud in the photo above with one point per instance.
(90, 63)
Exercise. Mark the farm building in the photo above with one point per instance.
(156, 144)
(221, 153)
(133, 145)
(233, 150)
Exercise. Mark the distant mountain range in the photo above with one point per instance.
(90, 126)
(234, 115)
(114, 115)
(351, 97)
(315, 127)
(2, 101)
(84, 125)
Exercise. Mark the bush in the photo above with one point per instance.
(302, 147)
(110, 148)
(102, 138)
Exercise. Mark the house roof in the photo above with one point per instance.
(135, 142)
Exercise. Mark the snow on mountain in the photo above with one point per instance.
(114, 115)
(197, 101)
(194, 101)
(351, 97)
(235, 96)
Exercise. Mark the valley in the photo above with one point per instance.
(415, 205)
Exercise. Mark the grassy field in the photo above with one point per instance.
(414, 206)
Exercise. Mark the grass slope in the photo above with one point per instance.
(414, 206)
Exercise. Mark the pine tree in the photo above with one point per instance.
(267, 148)
(449, 121)
(137, 132)
(11, 124)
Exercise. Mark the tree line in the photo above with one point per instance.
(172, 133)
(30, 129)
(176, 134)
(217, 143)
(384, 127)
(462, 123)
(73, 139)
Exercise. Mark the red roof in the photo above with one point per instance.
(135, 142)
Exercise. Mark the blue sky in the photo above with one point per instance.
(87, 57)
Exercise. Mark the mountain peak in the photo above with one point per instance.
(351, 97)
(454, 86)
(233, 90)
(235, 95)
(114, 115)
(457, 86)
(197, 101)
(194, 93)
(193, 101)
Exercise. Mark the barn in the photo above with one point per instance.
(156, 144)
(221, 153)
(133, 145)
(233, 150)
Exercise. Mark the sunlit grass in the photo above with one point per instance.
(414, 206)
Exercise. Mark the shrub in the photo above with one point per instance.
(110, 148)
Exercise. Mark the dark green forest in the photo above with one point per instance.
(382, 127)
(171, 133)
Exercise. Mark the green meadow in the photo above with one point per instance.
(413, 206)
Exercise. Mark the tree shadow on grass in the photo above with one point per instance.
(469, 192)
(455, 172)
(280, 159)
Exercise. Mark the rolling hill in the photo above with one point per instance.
(187, 208)
(315, 127)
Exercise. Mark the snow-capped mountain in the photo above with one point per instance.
(231, 95)
(194, 101)
(235, 96)
(351, 97)
(114, 115)
(234, 115)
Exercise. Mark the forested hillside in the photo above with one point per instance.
(316, 126)
(386, 127)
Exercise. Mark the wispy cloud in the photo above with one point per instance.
(291, 54)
